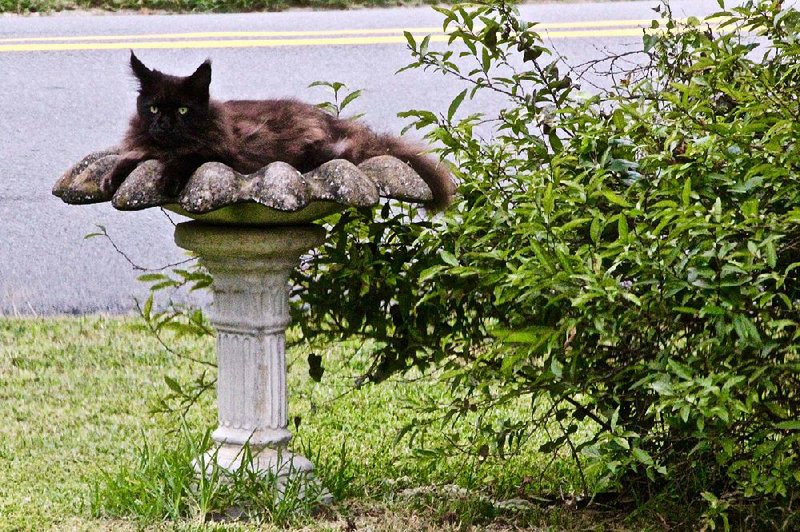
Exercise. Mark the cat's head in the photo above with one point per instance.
(173, 109)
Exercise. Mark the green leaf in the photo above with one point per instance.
(405, 429)
(642, 456)
(148, 307)
(548, 200)
(173, 385)
(649, 40)
(541, 256)
(686, 195)
(555, 141)
(150, 277)
(622, 228)
(490, 36)
(412, 43)
(772, 255)
(556, 368)
(595, 229)
(451, 111)
(712, 310)
(448, 258)
(615, 198)
(529, 335)
(622, 442)
(746, 329)
(423, 46)
(662, 387)
(319, 84)
(349, 98)
(532, 54)
(486, 61)
(789, 425)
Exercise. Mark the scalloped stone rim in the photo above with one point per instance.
(277, 194)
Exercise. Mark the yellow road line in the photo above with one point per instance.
(310, 33)
(592, 24)
(616, 32)
(268, 43)
(231, 43)
(264, 43)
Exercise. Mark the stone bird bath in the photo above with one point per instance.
(249, 231)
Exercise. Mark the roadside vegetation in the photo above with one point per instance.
(623, 257)
(203, 6)
(192, 6)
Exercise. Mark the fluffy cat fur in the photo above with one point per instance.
(179, 125)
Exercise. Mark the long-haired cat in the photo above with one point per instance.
(179, 125)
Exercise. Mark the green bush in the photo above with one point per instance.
(625, 259)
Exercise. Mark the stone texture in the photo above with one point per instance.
(342, 182)
(277, 194)
(395, 179)
(141, 189)
(214, 186)
(251, 267)
(80, 184)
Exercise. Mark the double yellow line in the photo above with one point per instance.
(262, 39)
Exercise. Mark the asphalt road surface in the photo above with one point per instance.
(65, 90)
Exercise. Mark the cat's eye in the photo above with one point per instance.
(153, 109)
(183, 110)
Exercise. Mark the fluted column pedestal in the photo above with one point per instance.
(251, 268)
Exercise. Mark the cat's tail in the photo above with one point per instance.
(361, 143)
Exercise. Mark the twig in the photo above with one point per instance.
(130, 261)
(169, 349)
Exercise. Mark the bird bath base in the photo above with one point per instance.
(251, 268)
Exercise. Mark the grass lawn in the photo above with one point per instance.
(77, 397)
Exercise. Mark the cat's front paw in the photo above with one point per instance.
(175, 176)
(126, 164)
(107, 185)
(172, 186)
(113, 179)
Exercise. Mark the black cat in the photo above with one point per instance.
(178, 124)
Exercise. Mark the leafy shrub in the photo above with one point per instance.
(625, 259)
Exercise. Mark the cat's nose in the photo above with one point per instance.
(160, 126)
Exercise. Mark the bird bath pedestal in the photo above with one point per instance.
(251, 268)
(249, 233)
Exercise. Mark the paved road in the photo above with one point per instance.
(65, 90)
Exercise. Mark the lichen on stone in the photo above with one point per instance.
(257, 198)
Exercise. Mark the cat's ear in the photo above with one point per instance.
(142, 73)
(200, 80)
